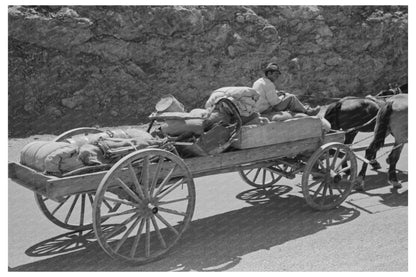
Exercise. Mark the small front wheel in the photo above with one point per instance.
(156, 194)
(329, 176)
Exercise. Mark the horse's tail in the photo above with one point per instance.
(382, 125)
(331, 114)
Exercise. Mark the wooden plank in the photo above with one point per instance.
(278, 132)
(74, 184)
(202, 165)
(29, 178)
(334, 137)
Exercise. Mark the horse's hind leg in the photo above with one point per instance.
(392, 160)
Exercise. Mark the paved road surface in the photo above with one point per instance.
(237, 228)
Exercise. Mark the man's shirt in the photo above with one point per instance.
(268, 94)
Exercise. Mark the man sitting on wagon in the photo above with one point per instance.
(272, 100)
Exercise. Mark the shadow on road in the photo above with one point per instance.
(214, 243)
(393, 198)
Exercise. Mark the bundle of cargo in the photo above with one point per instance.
(244, 98)
(200, 132)
(106, 147)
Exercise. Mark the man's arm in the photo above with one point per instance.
(272, 95)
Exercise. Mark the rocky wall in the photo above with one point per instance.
(78, 66)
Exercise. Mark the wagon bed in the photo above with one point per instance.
(55, 187)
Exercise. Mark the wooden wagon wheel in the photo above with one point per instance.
(74, 212)
(77, 131)
(325, 184)
(262, 176)
(157, 196)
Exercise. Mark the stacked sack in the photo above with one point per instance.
(57, 158)
(244, 98)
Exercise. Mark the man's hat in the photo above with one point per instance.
(272, 67)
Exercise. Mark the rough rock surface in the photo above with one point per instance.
(72, 66)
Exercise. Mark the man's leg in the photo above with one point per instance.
(291, 103)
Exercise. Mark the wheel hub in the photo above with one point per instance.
(148, 209)
(153, 209)
(337, 178)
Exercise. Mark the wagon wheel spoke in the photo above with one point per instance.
(316, 193)
(60, 205)
(171, 211)
(121, 226)
(118, 214)
(90, 198)
(344, 159)
(71, 208)
(144, 177)
(167, 223)
(166, 180)
(137, 238)
(344, 169)
(120, 201)
(127, 233)
(315, 183)
(82, 214)
(328, 163)
(264, 176)
(136, 184)
(256, 175)
(147, 244)
(173, 187)
(321, 164)
(334, 159)
(128, 190)
(323, 195)
(161, 203)
(156, 175)
(249, 171)
(159, 234)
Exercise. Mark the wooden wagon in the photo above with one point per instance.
(140, 206)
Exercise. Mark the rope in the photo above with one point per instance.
(361, 140)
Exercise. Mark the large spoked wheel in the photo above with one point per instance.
(74, 211)
(263, 176)
(156, 193)
(325, 183)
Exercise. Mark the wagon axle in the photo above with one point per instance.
(152, 208)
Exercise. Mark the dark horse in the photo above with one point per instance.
(391, 118)
(358, 114)
(353, 115)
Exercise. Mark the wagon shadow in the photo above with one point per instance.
(215, 243)
(68, 242)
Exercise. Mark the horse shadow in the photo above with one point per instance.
(214, 243)
(392, 198)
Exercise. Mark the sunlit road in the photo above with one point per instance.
(236, 227)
